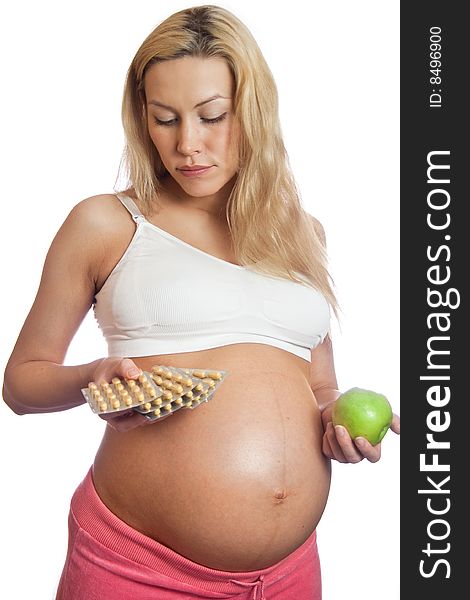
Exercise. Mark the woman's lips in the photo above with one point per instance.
(195, 171)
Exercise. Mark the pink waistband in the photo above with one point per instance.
(98, 521)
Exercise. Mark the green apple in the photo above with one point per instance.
(364, 413)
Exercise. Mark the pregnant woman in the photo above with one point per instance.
(206, 260)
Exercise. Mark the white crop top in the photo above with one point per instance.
(165, 296)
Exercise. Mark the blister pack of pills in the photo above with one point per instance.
(155, 394)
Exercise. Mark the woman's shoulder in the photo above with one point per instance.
(98, 206)
(96, 227)
(101, 211)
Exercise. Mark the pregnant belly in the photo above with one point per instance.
(238, 483)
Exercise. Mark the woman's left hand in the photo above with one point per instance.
(338, 445)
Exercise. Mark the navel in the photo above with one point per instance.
(280, 495)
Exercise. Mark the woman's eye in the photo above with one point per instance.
(204, 120)
(167, 123)
(216, 119)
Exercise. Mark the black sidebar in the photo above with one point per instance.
(435, 267)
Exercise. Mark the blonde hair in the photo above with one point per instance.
(270, 230)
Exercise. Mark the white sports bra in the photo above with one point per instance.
(165, 296)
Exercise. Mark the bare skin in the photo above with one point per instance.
(240, 482)
(203, 481)
(248, 461)
(236, 484)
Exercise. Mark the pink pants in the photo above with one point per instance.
(109, 560)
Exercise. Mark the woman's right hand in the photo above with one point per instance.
(115, 366)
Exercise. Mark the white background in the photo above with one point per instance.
(337, 69)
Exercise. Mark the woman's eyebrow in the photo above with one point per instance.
(157, 103)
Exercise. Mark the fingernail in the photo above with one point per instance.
(360, 441)
(133, 372)
(339, 430)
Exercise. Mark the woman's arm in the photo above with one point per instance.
(337, 443)
(35, 379)
(322, 374)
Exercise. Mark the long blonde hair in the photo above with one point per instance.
(271, 232)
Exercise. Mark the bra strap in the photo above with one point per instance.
(131, 207)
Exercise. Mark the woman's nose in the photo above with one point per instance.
(189, 139)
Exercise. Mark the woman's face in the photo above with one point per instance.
(191, 122)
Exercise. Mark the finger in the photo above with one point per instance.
(129, 369)
(371, 453)
(326, 416)
(334, 445)
(126, 423)
(112, 367)
(115, 416)
(160, 418)
(347, 446)
(395, 426)
(326, 449)
(137, 420)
